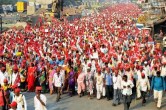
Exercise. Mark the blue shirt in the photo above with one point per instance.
(158, 83)
(108, 79)
(59, 62)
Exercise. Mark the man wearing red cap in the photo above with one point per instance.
(99, 78)
(13, 106)
(144, 85)
(117, 80)
(39, 100)
(2, 75)
(20, 99)
(15, 77)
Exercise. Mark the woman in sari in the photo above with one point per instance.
(71, 81)
(31, 77)
(42, 79)
(51, 74)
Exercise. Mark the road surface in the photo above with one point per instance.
(83, 103)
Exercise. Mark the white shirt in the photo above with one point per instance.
(13, 78)
(2, 77)
(57, 80)
(99, 79)
(125, 89)
(37, 103)
(117, 81)
(144, 84)
(163, 71)
(147, 70)
(62, 73)
(20, 101)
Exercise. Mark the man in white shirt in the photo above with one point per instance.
(39, 100)
(146, 69)
(20, 99)
(58, 83)
(2, 75)
(117, 79)
(127, 86)
(15, 77)
(144, 85)
(138, 86)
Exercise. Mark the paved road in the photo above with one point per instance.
(76, 103)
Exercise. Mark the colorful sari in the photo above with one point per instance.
(51, 74)
(31, 78)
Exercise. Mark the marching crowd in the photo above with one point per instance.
(102, 55)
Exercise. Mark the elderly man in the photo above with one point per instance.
(39, 100)
(20, 100)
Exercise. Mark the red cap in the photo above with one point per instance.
(98, 69)
(141, 67)
(142, 74)
(13, 104)
(89, 65)
(14, 86)
(38, 88)
(17, 90)
(3, 68)
(5, 80)
(15, 68)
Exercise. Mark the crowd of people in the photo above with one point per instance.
(101, 55)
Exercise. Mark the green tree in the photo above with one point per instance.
(6, 2)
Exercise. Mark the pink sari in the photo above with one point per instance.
(51, 74)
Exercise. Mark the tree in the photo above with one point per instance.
(6, 2)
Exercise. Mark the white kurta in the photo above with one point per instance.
(20, 102)
(163, 71)
(144, 84)
(57, 80)
(126, 90)
(38, 105)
